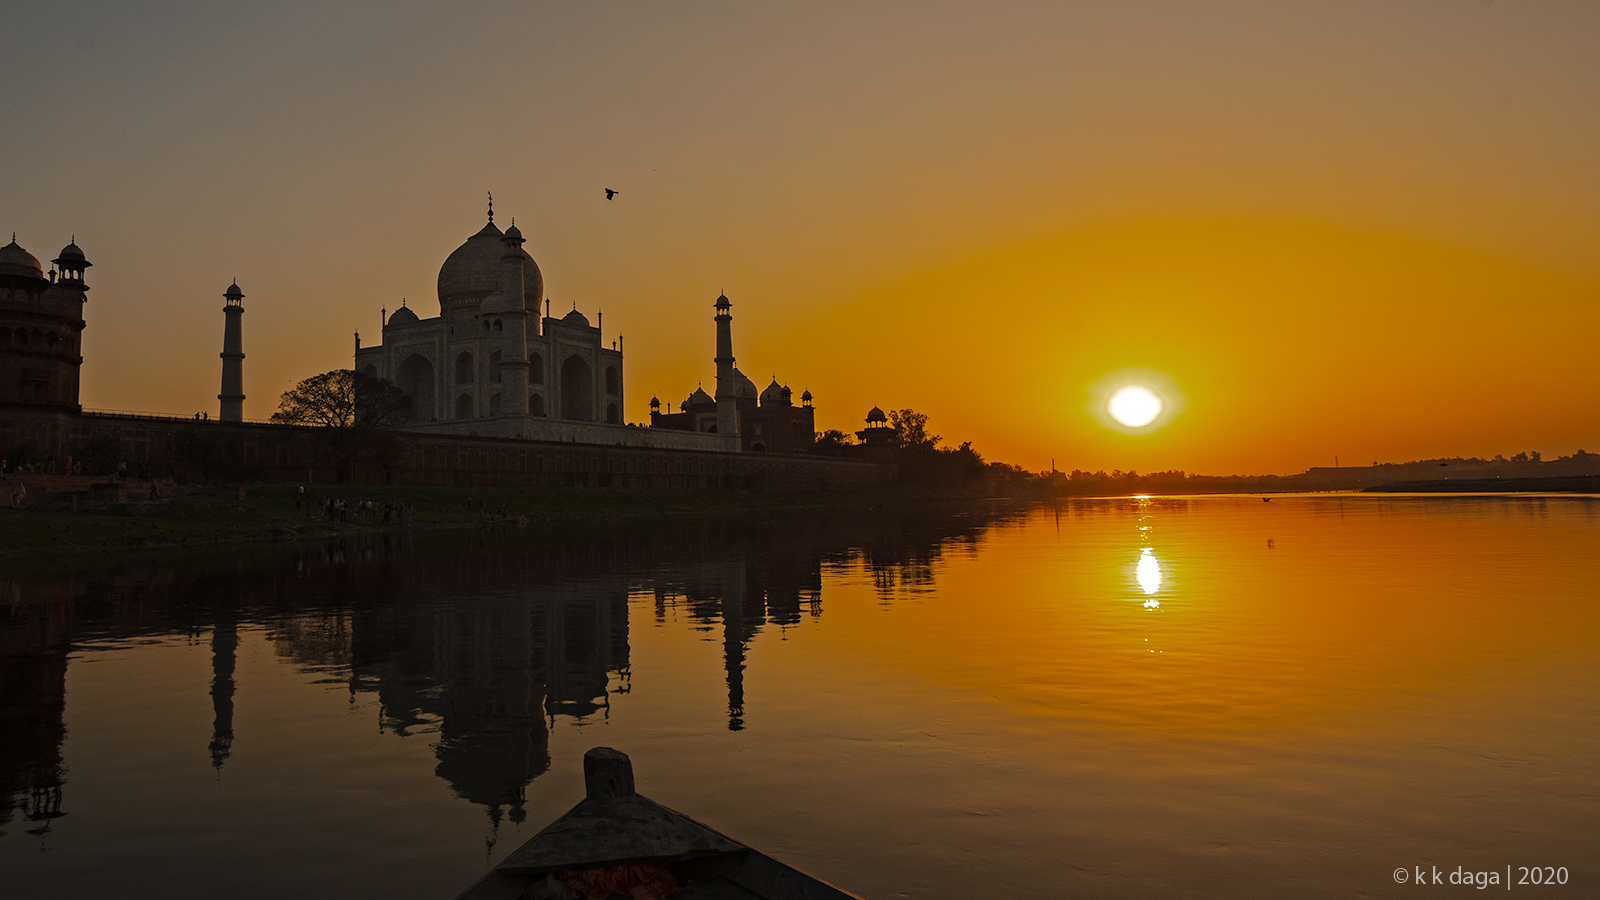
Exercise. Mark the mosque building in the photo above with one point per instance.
(41, 328)
(765, 423)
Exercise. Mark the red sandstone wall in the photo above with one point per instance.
(189, 451)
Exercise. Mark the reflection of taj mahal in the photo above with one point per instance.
(489, 364)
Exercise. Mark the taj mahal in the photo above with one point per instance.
(496, 362)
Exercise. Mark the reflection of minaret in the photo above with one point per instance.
(733, 641)
(224, 654)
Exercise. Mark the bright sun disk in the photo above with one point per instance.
(1134, 406)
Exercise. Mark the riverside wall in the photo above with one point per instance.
(191, 451)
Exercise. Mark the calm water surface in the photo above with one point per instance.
(1159, 697)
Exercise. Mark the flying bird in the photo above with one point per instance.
(610, 193)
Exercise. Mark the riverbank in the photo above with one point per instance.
(201, 515)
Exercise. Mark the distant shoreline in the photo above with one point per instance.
(1552, 484)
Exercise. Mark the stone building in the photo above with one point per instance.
(767, 422)
(41, 327)
(490, 364)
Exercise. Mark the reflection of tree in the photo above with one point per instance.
(771, 572)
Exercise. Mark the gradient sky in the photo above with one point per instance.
(1364, 230)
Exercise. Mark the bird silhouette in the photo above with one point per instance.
(610, 193)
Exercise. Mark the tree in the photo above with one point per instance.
(356, 412)
(911, 430)
(832, 442)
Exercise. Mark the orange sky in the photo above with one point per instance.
(1363, 230)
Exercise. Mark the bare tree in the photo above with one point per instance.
(356, 411)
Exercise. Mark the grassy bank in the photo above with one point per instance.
(198, 515)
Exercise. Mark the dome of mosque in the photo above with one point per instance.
(71, 251)
(697, 399)
(575, 318)
(403, 316)
(773, 395)
(16, 261)
(472, 273)
(742, 385)
(876, 415)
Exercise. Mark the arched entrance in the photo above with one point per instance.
(577, 390)
(415, 377)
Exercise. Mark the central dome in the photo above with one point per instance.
(472, 273)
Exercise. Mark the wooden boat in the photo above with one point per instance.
(615, 842)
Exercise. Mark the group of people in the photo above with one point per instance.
(46, 466)
(337, 509)
(69, 466)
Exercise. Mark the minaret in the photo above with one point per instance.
(232, 395)
(514, 352)
(727, 410)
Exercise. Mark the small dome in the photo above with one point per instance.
(513, 233)
(71, 251)
(698, 399)
(497, 304)
(575, 318)
(16, 261)
(773, 395)
(743, 386)
(233, 292)
(402, 316)
(806, 396)
(876, 415)
(655, 402)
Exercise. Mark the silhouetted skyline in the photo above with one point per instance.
(1357, 231)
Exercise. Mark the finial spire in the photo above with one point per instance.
(491, 206)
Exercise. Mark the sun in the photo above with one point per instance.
(1134, 405)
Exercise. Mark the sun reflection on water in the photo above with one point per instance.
(1149, 574)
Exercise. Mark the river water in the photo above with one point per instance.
(1140, 697)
